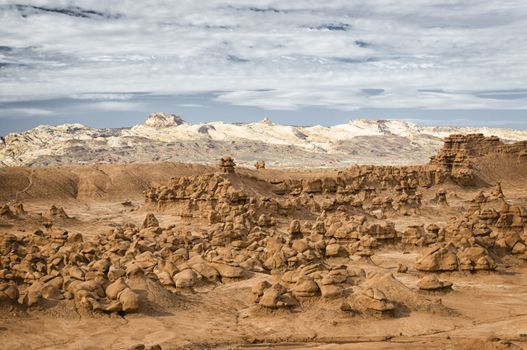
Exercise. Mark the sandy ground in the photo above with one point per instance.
(482, 306)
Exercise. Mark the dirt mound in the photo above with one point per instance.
(90, 182)
(405, 298)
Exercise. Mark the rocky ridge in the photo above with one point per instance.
(166, 137)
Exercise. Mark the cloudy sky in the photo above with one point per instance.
(110, 63)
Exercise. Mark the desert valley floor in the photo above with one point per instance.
(188, 256)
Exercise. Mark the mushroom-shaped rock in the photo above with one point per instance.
(476, 258)
(432, 283)
(374, 299)
(305, 287)
(227, 165)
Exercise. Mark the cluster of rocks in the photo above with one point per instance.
(352, 220)
(56, 265)
(103, 274)
(16, 212)
(210, 196)
(489, 226)
(419, 235)
(449, 257)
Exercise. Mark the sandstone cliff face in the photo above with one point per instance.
(460, 153)
(460, 149)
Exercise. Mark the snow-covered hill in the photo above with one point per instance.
(164, 137)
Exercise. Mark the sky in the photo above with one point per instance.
(111, 63)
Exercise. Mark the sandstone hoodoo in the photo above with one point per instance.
(260, 164)
(232, 249)
(227, 165)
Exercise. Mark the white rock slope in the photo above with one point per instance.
(165, 137)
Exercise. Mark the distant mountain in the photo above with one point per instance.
(166, 137)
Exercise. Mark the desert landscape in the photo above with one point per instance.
(165, 255)
(263, 174)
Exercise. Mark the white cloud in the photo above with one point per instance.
(115, 106)
(102, 96)
(269, 53)
(191, 105)
(30, 111)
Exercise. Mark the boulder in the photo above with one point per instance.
(113, 289)
(228, 271)
(305, 287)
(330, 291)
(333, 249)
(9, 292)
(129, 300)
(432, 283)
(438, 259)
(51, 292)
(277, 297)
(185, 279)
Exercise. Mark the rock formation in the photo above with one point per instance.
(227, 165)
(259, 164)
